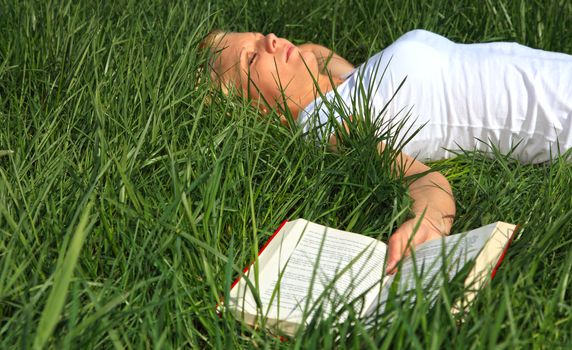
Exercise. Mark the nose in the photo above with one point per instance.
(270, 42)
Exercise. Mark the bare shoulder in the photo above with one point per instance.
(329, 60)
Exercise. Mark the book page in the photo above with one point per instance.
(328, 266)
(270, 262)
(488, 258)
(451, 253)
(436, 262)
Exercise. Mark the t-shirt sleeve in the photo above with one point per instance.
(320, 119)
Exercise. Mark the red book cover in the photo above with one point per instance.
(260, 251)
(245, 270)
(517, 228)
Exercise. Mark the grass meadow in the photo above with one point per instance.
(131, 195)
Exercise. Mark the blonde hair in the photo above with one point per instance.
(209, 44)
(212, 39)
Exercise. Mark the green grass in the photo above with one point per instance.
(129, 198)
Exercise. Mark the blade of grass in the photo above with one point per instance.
(62, 279)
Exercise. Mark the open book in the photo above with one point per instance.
(305, 264)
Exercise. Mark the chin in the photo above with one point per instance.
(310, 61)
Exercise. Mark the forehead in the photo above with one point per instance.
(228, 52)
(232, 40)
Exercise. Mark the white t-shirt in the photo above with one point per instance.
(503, 94)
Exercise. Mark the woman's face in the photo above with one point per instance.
(258, 65)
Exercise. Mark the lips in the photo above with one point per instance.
(289, 52)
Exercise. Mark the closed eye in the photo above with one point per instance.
(251, 59)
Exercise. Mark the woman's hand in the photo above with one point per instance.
(410, 234)
(433, 208)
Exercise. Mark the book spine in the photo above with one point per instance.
(245, 270)
(517, 228)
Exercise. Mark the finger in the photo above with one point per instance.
(395, 250)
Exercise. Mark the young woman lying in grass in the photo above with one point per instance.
(459, 96)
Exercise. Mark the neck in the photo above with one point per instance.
(324, 85)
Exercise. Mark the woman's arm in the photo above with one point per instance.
(433, 207)
(329, 61)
